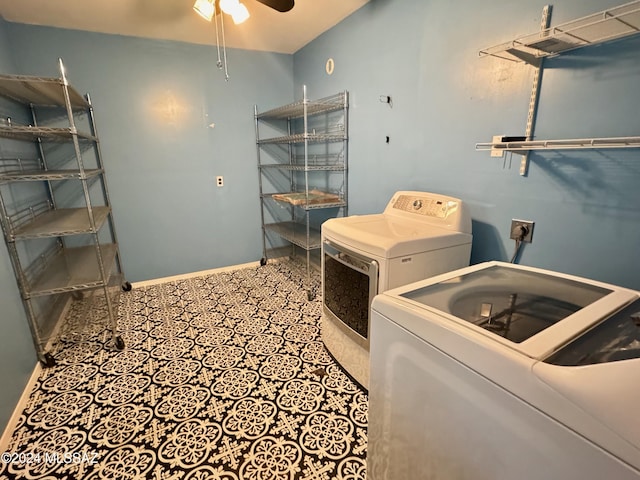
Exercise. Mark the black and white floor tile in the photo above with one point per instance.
(223, 377)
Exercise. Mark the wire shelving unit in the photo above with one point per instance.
(302, 151)
(80, 251)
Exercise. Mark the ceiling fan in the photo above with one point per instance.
(208, 9)
(279, 5)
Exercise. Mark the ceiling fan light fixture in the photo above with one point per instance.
(229, 6)
(237, 10)
(240, 14)
(205, 8)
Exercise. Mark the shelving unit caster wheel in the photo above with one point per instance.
(126, 287)
(77, 295)
(119, 342)
(48, 361)
(311, 295)
(263, 261)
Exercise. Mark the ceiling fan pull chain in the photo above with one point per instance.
(219, 62)
(224, 49)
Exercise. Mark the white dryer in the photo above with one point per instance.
(500, 371)
(418, 235)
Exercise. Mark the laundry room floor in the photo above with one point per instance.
(224, 376)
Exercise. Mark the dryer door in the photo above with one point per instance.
(349, 282)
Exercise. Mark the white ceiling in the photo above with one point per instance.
(266, 29)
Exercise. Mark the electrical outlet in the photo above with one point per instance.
(522, 230)
(220, 181)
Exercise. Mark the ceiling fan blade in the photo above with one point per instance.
(279, 5)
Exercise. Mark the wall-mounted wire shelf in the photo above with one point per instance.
(568, 144)
(611, 24)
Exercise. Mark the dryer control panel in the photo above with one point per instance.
(432, 208)
(423, 206)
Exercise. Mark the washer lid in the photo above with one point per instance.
(386, 236)
(528, 310)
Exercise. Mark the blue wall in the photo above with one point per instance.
(586, 205)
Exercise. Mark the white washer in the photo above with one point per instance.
(418, 235)
(499, 371)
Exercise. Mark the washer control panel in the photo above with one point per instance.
(428, 206)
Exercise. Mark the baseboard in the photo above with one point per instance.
(174, 278)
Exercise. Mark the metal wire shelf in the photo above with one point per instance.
(28, 132)
(303, 204)
(68, 270)
(32, 223)
(610, 24)
(313, 107)
(44, 175)
(302, 137)
(304, 168)
(41, 91)
(296, 233)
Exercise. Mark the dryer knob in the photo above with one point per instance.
(417, 204)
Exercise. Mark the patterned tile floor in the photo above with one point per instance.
(223, 377)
